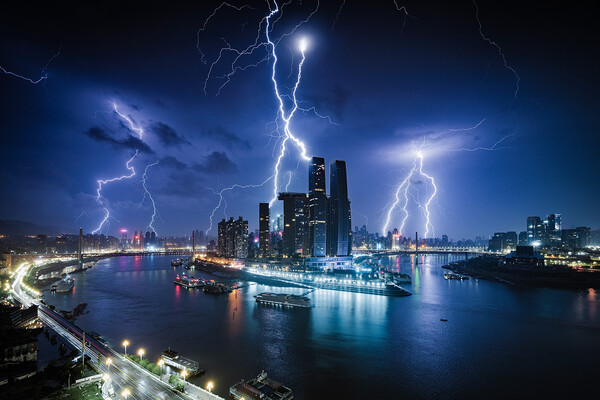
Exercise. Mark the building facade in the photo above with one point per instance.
(339, 232)
(316, 225)
(233, 238)
(263, 230)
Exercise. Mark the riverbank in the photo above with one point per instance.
(491, 268)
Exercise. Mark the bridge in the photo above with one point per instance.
(121, 373)
(425, 250)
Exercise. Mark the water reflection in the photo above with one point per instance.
(352, 345)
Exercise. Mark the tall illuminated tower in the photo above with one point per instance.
(338, 236)
(317, 208)
(263, 230)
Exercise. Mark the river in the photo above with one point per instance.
(500, 340)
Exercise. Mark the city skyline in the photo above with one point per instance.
(429, 82)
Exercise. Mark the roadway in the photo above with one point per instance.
(122, 373)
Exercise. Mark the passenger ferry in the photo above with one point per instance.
(189, 282)
(343, 280)
(452, 275)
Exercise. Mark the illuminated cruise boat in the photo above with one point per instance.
(343, 280)
(188, 282)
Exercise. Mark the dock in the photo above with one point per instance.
(260, 388)
(283, 300)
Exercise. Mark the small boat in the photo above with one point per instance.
(443, 320)
(216, 288)
(177, 263)
(452, 275)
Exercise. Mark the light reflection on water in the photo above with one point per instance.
(499, 340)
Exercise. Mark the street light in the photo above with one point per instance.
(184, 373)
(125, 393)
(125, 344)
(209, 386)
(141, 354)
(108, 362)
(160, 363)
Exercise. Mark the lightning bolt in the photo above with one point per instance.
(147, 193)
(102, 182)
(43, 77)
(403, 191)
(426, 207)
(288, 135)
(289, 181)
(337, 16)
(500, 52)
(284, 114)
(132, 126)
(227, 189)
(404, 11)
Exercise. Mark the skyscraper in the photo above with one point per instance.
(294, 223)
(553, 229)
(233, 238)
(263, 230)
(317, 208)
(535, 230)
(338, 237)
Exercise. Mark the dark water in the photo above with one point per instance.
(500, 341)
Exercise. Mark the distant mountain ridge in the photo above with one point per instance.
(23, 228)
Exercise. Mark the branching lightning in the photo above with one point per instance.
(132, 126)
(147, 193)
(500, 52)
(403, 191)
(282, 132)
(102, 182)
(43, 77)
(282, 114)
(227, 189)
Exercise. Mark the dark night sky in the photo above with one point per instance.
(384, 87)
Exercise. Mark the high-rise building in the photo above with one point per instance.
(595, 238)
(339, 233)
(317, 208)
(535, 230)
(233, 238)
(444, 240)
(511, 240)
(569, 237)
(553, 227)
(295, 235)
(263, 230)
(123, 238)
(523, 241)
(317, 226)
(583, 236)
(497, 242)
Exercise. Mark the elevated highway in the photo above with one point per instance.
(123, 373)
